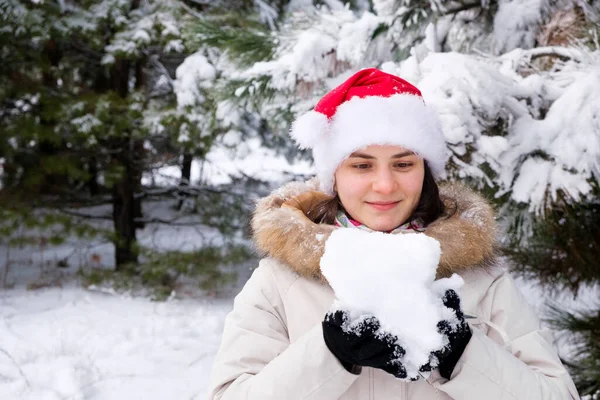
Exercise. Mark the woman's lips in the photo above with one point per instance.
(383, 206)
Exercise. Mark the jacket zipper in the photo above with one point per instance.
(371, 384)
(403, 390)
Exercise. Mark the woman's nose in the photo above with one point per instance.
(384, 181)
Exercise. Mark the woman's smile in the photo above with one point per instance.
(383, 205)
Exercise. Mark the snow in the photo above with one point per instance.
(516, 23)
(76, 344)
(66, 342)
(175, 46)
(385, 7)
(532, 183)
(299, 5)
(493, 146)
(249, 157)
(169, 25)
(267, 13)
(306, 54)
(86, 123)
(355, 38)
(108, 59)
(230, 159)
(306, 62)
(142, 37)
(538, 157)
(373, 280)
(123, 46)
(153, 23)
(568, 135)
(195, 72)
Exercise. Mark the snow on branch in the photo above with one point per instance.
(527, 136)
(459, 8)
(527, 55)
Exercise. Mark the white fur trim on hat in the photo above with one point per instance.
(402, 120)
(309, 129)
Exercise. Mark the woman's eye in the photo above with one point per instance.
(361, 166)
(403, 165)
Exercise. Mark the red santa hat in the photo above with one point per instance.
(371, 107)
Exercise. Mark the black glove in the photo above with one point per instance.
(363, 346)
(458, 334)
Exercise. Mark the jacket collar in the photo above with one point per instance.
(282, 231)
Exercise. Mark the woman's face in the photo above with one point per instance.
(380, 186)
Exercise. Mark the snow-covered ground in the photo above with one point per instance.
(63, 341)
(71, 343)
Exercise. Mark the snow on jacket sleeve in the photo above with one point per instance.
(256, 360)
(527, 367)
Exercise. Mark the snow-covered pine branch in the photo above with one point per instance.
(503, 117)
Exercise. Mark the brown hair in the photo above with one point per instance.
(430, 206)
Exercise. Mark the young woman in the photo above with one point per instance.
(378, 150)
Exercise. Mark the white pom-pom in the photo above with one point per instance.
(309, 129)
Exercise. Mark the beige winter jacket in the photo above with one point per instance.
(273, 348)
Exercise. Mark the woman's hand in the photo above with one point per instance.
(362, 344)
(458, 333)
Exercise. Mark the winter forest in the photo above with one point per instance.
(137, 135)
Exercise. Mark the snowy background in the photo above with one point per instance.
(59, 340)
(68, 342)
(516, 84)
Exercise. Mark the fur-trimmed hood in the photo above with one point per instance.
(282, 231)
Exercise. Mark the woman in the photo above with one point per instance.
(378, 149)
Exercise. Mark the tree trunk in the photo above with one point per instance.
(136, 176)
(186, 173)
(92, 182)
(127, 207)
(124, 223)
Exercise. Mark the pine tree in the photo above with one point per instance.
(560, 250)
(91, 101)
(88, 66)
(96, 98)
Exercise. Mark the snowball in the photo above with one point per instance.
(393, 278)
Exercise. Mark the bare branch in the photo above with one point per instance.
(154, 60)
(86, 216)
(462, 7)
(564, 53)
(188, 190)
(527, 55)
(191, 10)
(172, 222)
(16, 365)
